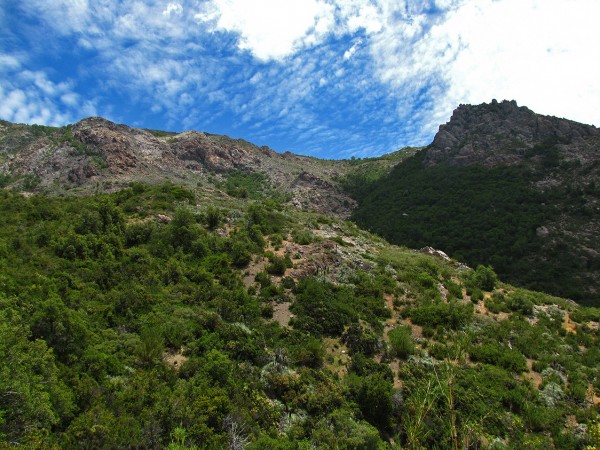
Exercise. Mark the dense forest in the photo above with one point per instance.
(484, 215)
(127, 321)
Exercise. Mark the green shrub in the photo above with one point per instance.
(401, 342)
(277, 265)
(483, 277)
(303, 237)
(361, 340)
(452, 315)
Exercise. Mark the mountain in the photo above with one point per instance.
(162, 290)
(96, 154)
(504, 186)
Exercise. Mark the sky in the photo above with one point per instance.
(326, 78)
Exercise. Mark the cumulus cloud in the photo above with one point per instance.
(173, 8)
(28, 96)
(270, 29)
(24, 105)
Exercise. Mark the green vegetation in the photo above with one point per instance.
(246, 185)
(487, 216)
(127, 321)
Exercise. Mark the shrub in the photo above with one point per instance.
(213, 217)
(452, 315)
(277, 266)
(361, 340)
(520, 304)
(483, 277)
(303, 237)
(401, 342)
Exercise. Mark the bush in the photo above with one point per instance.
(401, 342)
(520, 304)
(303, 237)
(213, 217)
(452, 315)
(361, 340)
(277, 266)
(483, 278)
(510, 360)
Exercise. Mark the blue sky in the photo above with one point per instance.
(327, 78)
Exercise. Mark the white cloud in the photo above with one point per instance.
(360, 14)
(352, 50)
(400, 65)
(9, 62)
(271, 29)
(28, 96)
(173, 8)
(543, 54)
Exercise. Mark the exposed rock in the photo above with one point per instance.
(97, 151)
(542, 232)
(163, 218)
(434, 252)
(501, 133)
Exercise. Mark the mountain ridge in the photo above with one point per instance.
(557, 161)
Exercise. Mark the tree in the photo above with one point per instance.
(483, 278)
(32, 399)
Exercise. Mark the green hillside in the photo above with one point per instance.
(159, 317)
(487, 215)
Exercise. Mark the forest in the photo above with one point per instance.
(484, 215)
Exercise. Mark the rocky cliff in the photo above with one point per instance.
(96, 152)
(502, 133)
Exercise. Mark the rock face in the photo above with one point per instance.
(502, 133)
(96, 152)
(560, 157)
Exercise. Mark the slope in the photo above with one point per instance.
(153, 318)
(504, 186)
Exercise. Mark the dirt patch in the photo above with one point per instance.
(481, 309)
(594, 399)
(532, 375)
(282, 314)
(569, 325)
(175, 360)
(395, 366)
(415, 330)
(502, 316)
(256, 265)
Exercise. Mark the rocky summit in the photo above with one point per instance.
(503, 133)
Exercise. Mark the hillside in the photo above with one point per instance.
(96, 155)
(163, 290)
(504, 186)
(150, 317)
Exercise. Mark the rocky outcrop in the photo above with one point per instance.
(96, 151)
(502, 133)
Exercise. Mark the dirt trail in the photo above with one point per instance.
(390, 324)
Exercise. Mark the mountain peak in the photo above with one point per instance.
(500, 133)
